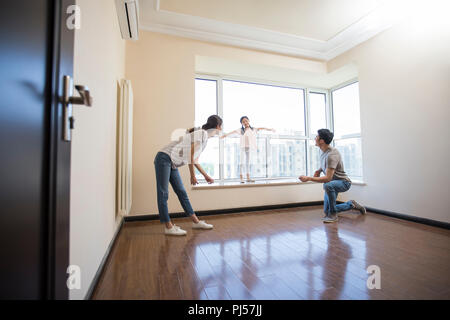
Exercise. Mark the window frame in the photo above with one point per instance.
(311, 137)
(329, 114)
(348, 136)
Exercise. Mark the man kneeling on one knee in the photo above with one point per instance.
(335, 179)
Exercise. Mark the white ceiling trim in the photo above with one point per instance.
(199, 28)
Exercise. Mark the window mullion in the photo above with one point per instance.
(220, 114)
(267, 156)
(307, 133)
(330, 115)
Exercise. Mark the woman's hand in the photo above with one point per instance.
(209, 179)
(194, 180)
(304, 178)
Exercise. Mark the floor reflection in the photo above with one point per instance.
(290, 264)
(335, 263)
(279, 255)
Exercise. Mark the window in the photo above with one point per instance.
(206, 105)
(205, 100)
(295, 113)
(287, 158)
(267, 106)
(347, 128)
(317, 120)
(317, 112)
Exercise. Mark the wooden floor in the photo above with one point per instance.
(279, 254)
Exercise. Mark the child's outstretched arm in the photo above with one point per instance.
(230, 133)
(267, 129)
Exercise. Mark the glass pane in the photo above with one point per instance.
(346, 110)
(205, 100)
(351, 154)
(266, 106)
(259, 163)
(209, 159)
(232, 158)
(314, 157)
(317, 112)
(287, 158)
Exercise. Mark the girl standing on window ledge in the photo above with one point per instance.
(248, 146)
(186, 150)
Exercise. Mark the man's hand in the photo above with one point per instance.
(317, 173)
(209, 179)
(304, 178)
(194, 180)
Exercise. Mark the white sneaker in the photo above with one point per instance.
(358, 207)
(201, 225)
(175, 231)
(330, 219)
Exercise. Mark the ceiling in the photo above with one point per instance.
(319, 29)
(315, 19)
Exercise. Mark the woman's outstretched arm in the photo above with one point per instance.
(194, 162)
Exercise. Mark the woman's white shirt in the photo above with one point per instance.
(180, 151)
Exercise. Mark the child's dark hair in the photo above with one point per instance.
(212, 123)
(243, 129)
(326, 135)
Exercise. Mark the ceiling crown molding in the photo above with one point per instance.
(199, 28)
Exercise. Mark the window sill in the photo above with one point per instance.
(258, 183)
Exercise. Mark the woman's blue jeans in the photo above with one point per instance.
(165, 174)
(332, 189)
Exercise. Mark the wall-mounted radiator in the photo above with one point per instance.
(124, 147)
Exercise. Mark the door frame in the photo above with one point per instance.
(57, 235)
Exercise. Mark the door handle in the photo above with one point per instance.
(68, 100)
(84, 98)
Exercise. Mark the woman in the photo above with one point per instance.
(248, 145)
(176, 154)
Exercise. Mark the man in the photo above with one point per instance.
(335, 179)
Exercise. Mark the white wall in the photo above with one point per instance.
(404, 81)
(289, 74)
(99, 62)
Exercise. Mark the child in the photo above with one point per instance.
(248, 145)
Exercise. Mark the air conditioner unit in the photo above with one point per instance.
(128, 13)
